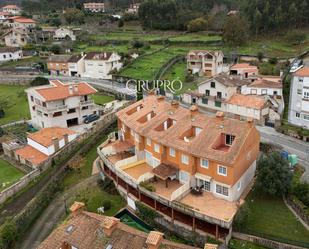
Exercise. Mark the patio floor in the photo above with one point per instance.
(164, 191)
(138, 170)
(211, 206)
(119, 156)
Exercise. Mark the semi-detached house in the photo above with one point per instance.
(198, 166)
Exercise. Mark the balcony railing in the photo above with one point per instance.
(88, 102)
(52, 109)
(180, 191)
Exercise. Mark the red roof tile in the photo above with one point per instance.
(303, 72)
(247, 101)
(31, 154)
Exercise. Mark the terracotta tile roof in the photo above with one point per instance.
(263, 83)
(58, 90)
(45, 135)
(85, 231)
(31, 154)
(21, 19)
(163, 171)
(303, 72)
(9, 49)
(202, 144)
(249, 101)
(61, 58)
(75, 58)
(243, 66)
(10, 6)
(98, 56)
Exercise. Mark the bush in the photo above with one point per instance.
(56, 49)
(120, 23)
(107, 204)
(189, 77)
(39, 81)
(296, 37)
(149, 186)
(241, 217)
(260, 56)
(137, 44)
(273, 60)
(198, 24)
(8, 234)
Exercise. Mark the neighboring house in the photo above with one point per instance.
(76, 65)
(202, 163)
(59, 64)
(60, 104)
(64, 34)
(85, 230)
(100, 64)
(205, 63)
(248, 106)
(214, 92)
(133, 8)
(10, 54)
(244, 70)
(299, 98)
(94, 7)
(12, 9)
(263, 86)
(43, 144)
(16, 38)
(19, 22)
(4, 16)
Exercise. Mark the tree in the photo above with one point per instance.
(56, 49)
(8, 234)
(198, 24)
(74, 16)
(39, 81)
(4, 103)
(235, 31)
(273, 174)
(260, 56)
(296, 37)
(120, 23)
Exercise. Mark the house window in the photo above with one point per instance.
(222, 190)
(205, 185)
(204, 163)
(207, 92)
(299, 91)
(148, 141)
(85, 107)
(306, 95)
(57, 114)
(300, 79)
(222, 170)
(172, 152)
(157, 148)
(253, 91)
(72, 110)
(238, 185)
(204, 101)
(306, 116)
(183, 176)
(264, 91)
(184, 159)
(218, 104)
(213, 84)
(229, 139)
(297, 114)
(32, 99)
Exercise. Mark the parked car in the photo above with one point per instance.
(91, 118)
(296, 65)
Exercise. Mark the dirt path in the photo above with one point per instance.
(52, 215)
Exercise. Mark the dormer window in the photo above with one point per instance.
(166, 124)
(229, 139)
(224, 142)
(135, 109)
(147, 117)
(191, 133)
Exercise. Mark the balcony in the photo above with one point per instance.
(86, 103)
(52, 109)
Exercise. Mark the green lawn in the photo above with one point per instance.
(236, 244)
(8, 174)
(194, 37)
(25, 62)
(94, 198)
(101, 99)
(17, 108)
(269, 217)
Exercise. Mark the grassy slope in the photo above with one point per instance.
(270, 216)
(236, 244)
(18, 105)
(100, 99)
(8, 174)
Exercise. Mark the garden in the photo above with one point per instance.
(8, 174)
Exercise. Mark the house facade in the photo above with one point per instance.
(76, 65)
(191, 162)
(58, 65)
(94, 7)
(63, 34)
(20, 22)
(205, 63)
(12, 9)
(10, 54)
(4, 16)
(299, 98)
(244, 70)
(133, 8)
(100, 64)
(60, 104)
(16, 38)
(43, 144)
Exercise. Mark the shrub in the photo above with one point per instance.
(39, 81)
(120, 23)
(273, 60)
(8, 234)
(189, 77)
(107, 204)
(198, 24)
(56, 49)
(260, 56)
(296, 37)
(241, 217)
(137, 44)
(149, 186)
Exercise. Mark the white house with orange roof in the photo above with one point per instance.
(204, 62)
(20, 22)
(244, 70)
(299, 98)
(43, 144)
(13, 9)
(4, 16)
(60, 104)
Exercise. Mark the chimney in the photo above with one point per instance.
(194, 109)
(160, 98)
(66, 138)
(65, 245)
(250, 122)
(154, 240)
(109, 224)
(77, 208)
(70, 89)
(220, 116)
(75, 88)
(56, 143)
(175, 104)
